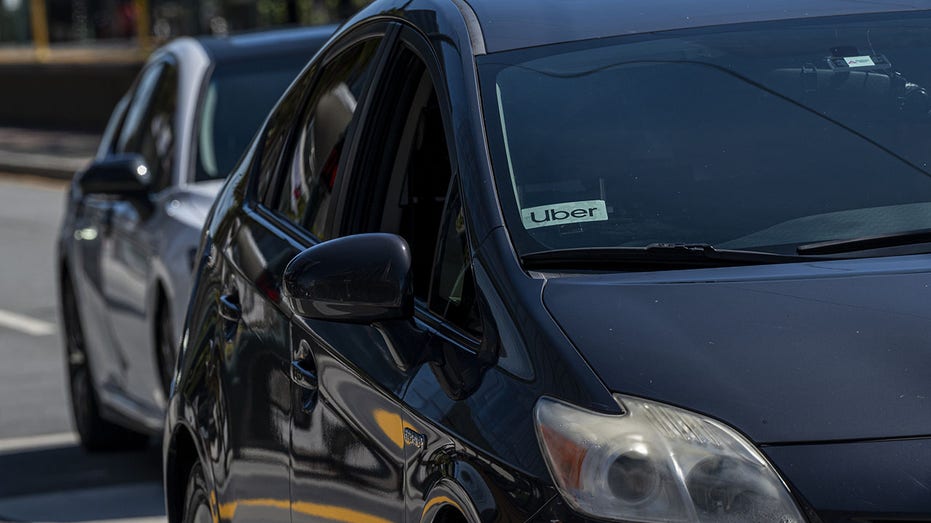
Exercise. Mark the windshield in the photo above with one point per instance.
(755, 137)
(238, 98)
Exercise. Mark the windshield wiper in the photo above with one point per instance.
(896, 239)
(653, 256)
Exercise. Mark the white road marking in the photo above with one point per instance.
(38, 442)
(129, 520)
(25, 324)
(132, 520)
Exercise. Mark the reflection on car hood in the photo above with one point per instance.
(191, 204)
(827, 351)
(850, 223)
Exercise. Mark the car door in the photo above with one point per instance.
(403, 183)
(128, 243)
(248, 331)
(94, 228)
(406, 182)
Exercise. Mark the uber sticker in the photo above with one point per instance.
(563, 213)
(859, 61)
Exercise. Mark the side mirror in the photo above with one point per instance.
(124, 174)
(363, 278)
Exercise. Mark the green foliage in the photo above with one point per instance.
(272, 12)
(314, 12)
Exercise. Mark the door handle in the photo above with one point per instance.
(304, 375)
(229, 307)
(304, 378)
(303, 367)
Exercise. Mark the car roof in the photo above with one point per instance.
(511, 24)
(247, 46)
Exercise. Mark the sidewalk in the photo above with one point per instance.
(54, 154)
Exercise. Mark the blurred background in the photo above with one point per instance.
(63, 66)
(64, 63)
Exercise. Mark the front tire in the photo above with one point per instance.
(196, 507)
(96, 433)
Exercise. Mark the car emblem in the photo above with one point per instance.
(414, 439)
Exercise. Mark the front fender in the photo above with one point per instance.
(449, 475)
(172, 269)
(182, 448)
(185, 442)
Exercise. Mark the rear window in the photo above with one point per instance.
(758, 136)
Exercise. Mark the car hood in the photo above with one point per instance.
(828, 351)
(191, 204)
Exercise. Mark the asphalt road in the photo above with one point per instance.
(44, 474)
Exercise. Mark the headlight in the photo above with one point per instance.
(657, 463)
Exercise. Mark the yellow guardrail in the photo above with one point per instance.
(143, 24)
(39, 21)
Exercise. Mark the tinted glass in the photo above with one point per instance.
(453, 293)
(279, 127)
(762, 136)
(236, 102)
(405, 165)
(114, 124)
(149, 128)
(138, 106)
(307, 190)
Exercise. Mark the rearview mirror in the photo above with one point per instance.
(123, 174)
(363, 278)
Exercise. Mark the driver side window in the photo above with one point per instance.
(149, 125)
(314, 164)
(409, 189)
(452, 292)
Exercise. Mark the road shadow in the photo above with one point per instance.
(67, 484)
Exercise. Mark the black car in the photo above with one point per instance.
(573, 261)
(133, 218)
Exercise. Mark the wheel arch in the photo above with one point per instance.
(182, 453)
(164, 283)
(449, 502)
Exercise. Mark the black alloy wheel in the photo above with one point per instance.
(196, 507)
(96, 433)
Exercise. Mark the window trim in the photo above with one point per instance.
(194, 142)
(171, 61)
(157, 67)
(387, 32)
(418, 44)
(456, 185)
(114, 127)
(162, 62)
